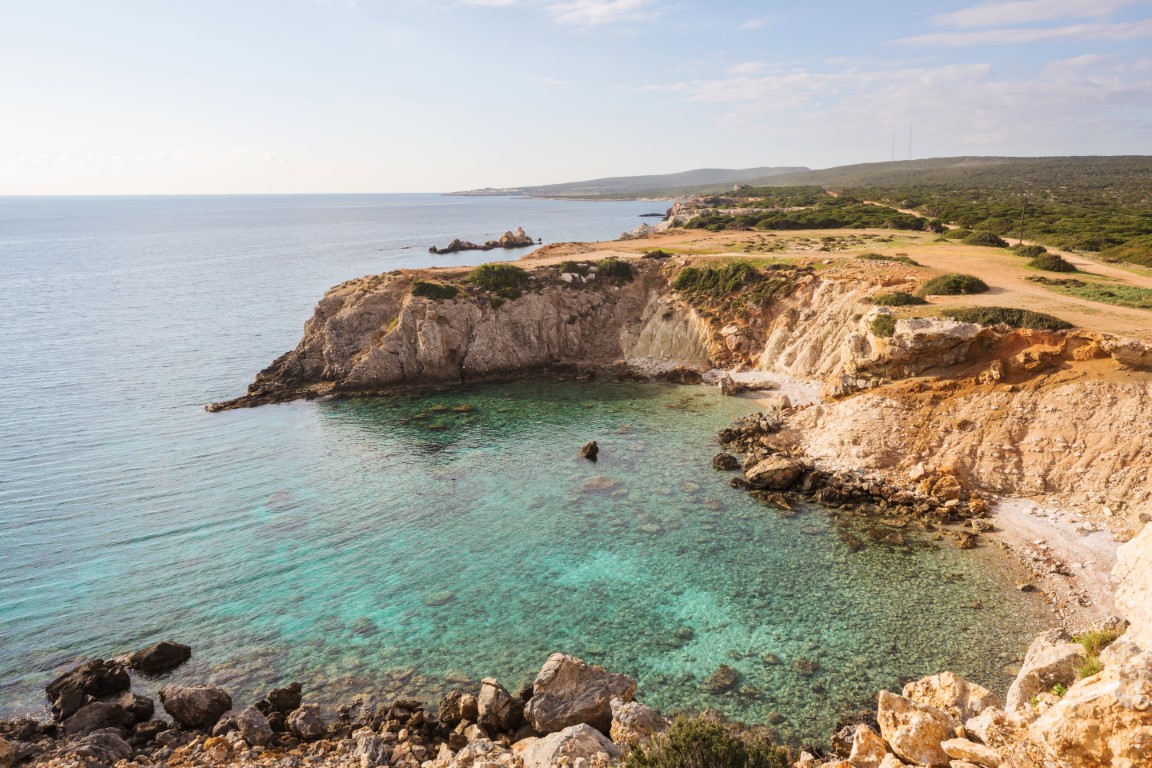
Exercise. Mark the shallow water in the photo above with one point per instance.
(399, 545)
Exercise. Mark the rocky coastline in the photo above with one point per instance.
(517, 239)
(1084, 701)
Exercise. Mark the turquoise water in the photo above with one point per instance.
(404, 545)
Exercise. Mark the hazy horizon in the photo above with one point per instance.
(363, 96)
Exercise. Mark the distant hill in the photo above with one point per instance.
(659, 185)
(1127, 175)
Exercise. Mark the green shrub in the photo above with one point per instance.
(883, 325)
(716, 281)
(884, 257)
(896, 299)
(957, 234)
(1017, 318)
(434, 291)
(657, 254)
(1096, 640)
(614, 269)
(700, 743)
(496, 302)
(1050, 262)
(574, 267)
(495, 277)
(1135, 251)
(1090, 666)
(986, 239)
(1029, 251)
(952, 284)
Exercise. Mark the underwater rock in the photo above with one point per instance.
(723, 679)
(725, 462)
(805, 667)
(569, 691)
(162, 657)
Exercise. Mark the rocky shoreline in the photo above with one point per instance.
(1084, 701)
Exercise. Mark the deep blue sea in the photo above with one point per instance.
(404, 545)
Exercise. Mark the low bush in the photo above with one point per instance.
(884, 257)
(896, 299)
(657, 254)
(986, 239)
(614, 269)
(700, 743)
(1050, 262)
(715, 281)
(883, 325)
(957, 234)
(952, 284)
(434, 291)
(1029, 251)
(1017, 318)
(1135, 251)
(495, 277)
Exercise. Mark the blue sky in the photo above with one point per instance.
(168, 96)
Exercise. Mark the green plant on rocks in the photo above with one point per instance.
(498, 277)
(952, 284)
(715, 281)
(574, 268)
(1094, 641)
(614, 269)
(897, 299)
(1017, 318)
(704, 743)
(883, 326)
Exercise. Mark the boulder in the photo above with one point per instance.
(725, 462)
(953, 694)
(1103, 721)
(566, 747)
(634, 723)
(867, 749)
(286, 699)
(963, 749)
(1051, 659)
(96, 678)
(253, 727)
(97, 716)
(569, 691)
(497, 712)
(306, 724)
(589, 450)
(723, 680)
(775, 473)
(913, 730)
(997, 728)
(162, 657)
(195, 707)
(369, 750)
(7, 753)
(226, 723)
(481, 753)
(104, 747)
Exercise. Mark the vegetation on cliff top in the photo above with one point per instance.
(497, 277)
(434, 291)
(828, 213)
(1017, 318)
(883, 326)
(886, 257)
(896, 299)
(952, 284)
(1136, 251)
(1106, 293)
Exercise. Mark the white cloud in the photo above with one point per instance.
(587, 13)
(1012, 12)
(1020, 36)
(755, 24)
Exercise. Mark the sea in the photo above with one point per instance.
(409, 545)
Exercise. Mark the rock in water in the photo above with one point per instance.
(96, 678)
(914, 730)
(195, 707)
(287, 699)
(569, 691)
(725, 462)
(160, 658)
(590, 450)
(306, 724)
(575, 745)
(97, 716)
(723, 680)
(776, 473)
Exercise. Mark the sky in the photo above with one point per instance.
(297, 96)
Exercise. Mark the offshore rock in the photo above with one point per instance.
(590, 450)
(160, 658)
(566, 747)
(914, 730)
(195, 707)
(1051, 659)
(569, 691)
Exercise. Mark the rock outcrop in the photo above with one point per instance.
(567, 747)
(195, 707)
(517, 239)
(569, 691)
(160, 658)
